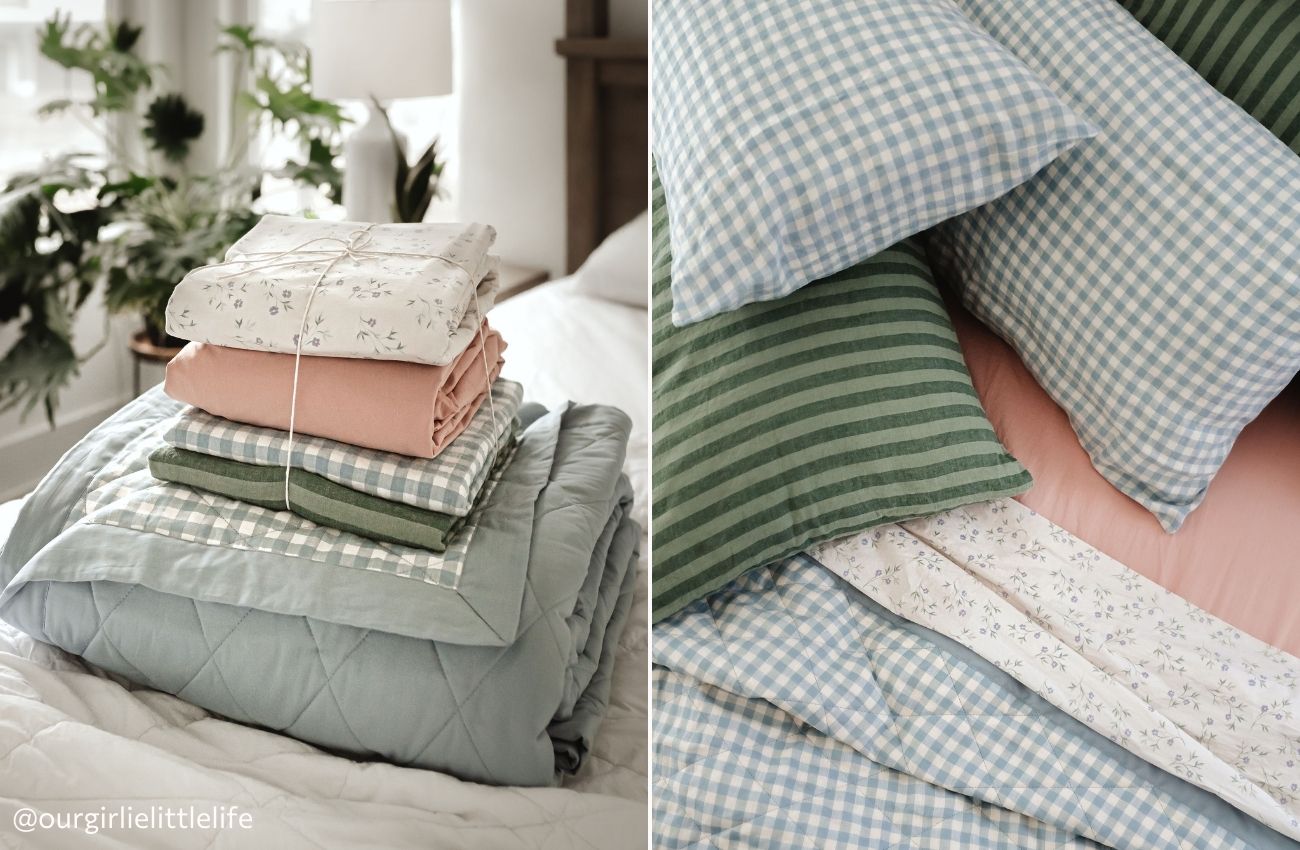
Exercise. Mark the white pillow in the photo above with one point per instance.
(619, 268)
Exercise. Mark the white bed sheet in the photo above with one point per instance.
(74, 740)
(563, 345)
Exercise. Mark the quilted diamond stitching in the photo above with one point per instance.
(212, 656)
(328, 686)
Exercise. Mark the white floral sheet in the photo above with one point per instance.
(1185, 691)
(414, 292)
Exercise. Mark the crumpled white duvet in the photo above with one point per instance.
(1183, 690)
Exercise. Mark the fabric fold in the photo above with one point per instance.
(407, 408)
(413, 292)
(446, 484)
(1141, 666)
(789, 686)
(318, 499)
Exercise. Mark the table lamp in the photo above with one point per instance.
(385, 50)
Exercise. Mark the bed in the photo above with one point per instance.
(872, 626)
(152, 748)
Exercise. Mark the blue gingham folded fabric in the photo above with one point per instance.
(447, 483)
(797, 139)
(1150, 278)
(792, 711)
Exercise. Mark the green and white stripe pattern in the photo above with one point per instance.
(316, 498)
(448, 483)
(1247, 49)
(785, 423)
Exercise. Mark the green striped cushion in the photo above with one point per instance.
(1247, 49)
(786, 423)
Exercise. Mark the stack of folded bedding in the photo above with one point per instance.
(343, 523)
(324, 436)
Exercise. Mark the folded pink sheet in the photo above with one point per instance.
(391, 405)
(1238, 555)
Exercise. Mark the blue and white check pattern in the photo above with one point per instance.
(790, 710)
(797, 139)
(1149, 278)
(448, 483)
(125, 495)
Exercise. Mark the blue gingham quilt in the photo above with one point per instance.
(793, 711)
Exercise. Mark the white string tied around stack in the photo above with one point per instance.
(356, 248)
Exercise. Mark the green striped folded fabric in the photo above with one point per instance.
(314, 497)
(786, 423)
(1247, 49)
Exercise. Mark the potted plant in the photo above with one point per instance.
(137, 220)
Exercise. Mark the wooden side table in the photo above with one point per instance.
(516, 279)
(144, 351)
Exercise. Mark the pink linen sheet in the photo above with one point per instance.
(1237, 556)
(409, 408)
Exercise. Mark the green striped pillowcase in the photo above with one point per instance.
(786, 423)
(1247, 49)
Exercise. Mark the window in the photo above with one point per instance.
(419, 119)
(28, 80)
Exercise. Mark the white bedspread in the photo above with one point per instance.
(593, 352)
(72, 739)
(1183, 690)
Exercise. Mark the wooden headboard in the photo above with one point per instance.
(607, 143)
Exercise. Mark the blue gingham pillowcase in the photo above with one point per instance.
(1150, 279)
(796, 139)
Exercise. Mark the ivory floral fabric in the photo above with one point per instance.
(413, 292)
(1147, 669)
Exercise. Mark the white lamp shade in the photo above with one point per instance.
(386, 49)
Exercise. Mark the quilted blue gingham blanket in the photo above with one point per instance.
(791, 710)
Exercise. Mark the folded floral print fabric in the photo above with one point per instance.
(317, 498)
(1248, 49)
(1150, 278)
(1155, 674)
(793, 711)
(796, 139)
(785, 423)
(413, 292)
(408, 408)
(446, 484)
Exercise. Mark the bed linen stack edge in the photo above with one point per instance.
(502, 679)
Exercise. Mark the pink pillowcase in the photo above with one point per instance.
(410, 408)
(1237, 556)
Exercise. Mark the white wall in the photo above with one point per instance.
(510, 84)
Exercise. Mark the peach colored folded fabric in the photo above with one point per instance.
(410, 408)
(1238, 555)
